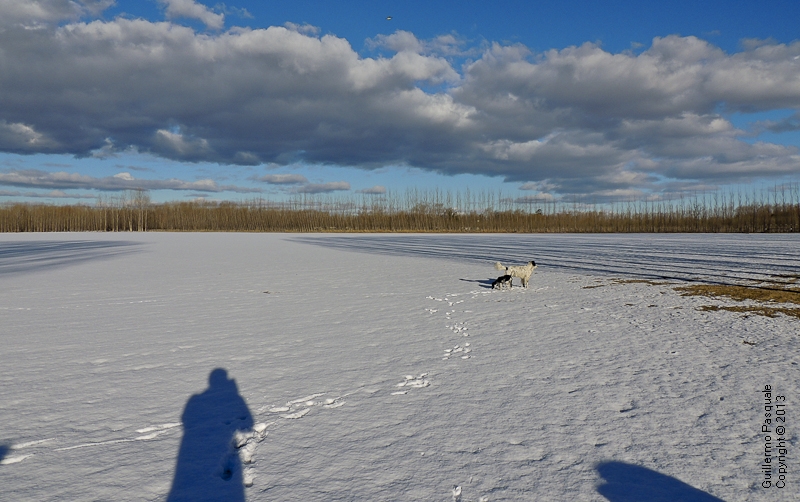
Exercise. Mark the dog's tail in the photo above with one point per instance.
(499, 266)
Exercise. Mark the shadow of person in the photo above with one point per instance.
(208, 465)
(633, 483)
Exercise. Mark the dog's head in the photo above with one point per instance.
(533, 264)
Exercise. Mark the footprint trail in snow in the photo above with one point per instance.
(272, 415)
(457, 327)
(47, 446)
(461, 350)
(412, 382)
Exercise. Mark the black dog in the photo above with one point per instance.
(501, 281)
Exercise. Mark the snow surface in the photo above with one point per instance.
(382, 367)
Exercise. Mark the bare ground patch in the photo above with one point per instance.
(765, 311)
(773, 293)
(630, 281)
(784, 291)
(642, 281)
(768, 293)
(775, 297)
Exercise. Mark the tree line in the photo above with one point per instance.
(416, 211)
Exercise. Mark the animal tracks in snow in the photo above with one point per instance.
(145, 434)
(457, 351)
(298, 408)
(15, 459)
(457, 495)
(268, 416)
(297, 414)
(19, 457)
(46, 446)
(245, 443)
(457, 327)
(412, 382)
(154, 431)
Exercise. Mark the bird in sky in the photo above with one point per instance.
(388, 18)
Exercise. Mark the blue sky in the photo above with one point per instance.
(594, 101)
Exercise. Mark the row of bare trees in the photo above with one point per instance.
(418, 211)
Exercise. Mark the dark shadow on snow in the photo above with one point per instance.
(484, 283)
(633, 483)
(36, 256)
(208, 466)
(614, 255)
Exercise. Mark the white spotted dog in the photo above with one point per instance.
(523, 271)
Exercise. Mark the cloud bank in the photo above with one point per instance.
(34, 178)
(314, 188)
(283, 179)
(578, 120)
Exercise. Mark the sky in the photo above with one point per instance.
(589, 101)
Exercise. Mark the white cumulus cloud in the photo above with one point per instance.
(580, 119)
(194, 10)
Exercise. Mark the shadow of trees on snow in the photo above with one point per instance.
(35, 256)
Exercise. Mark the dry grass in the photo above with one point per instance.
(765, 311)
(774, 293)
(630, 281)
(785, 279)
(642, 281)
(767, 292)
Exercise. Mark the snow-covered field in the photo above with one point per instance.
(382, 367)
